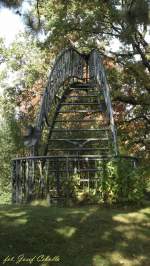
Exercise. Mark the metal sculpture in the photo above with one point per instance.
(63, 148)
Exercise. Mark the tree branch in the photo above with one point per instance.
(38, 12)
(94, 31)
(136, 46)
(131, 100)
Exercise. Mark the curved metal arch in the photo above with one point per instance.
(97, 72)
(71, 64)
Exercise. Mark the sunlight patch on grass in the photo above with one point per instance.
(45, 264)
(116, 257)
(106, 236)
(145, 210)
(98, 260)
(42, 203)
(77, 211)
(13, 217)
(59, 219)
(16, 222)
(123, 244)
(66, 231)
(13, 214)
(133, 232)
(127, 230)
(134, 217)
(87, 214)
(21, 221)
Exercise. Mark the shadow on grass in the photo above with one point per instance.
(87, 236)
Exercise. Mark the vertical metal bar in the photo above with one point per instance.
(67, 167)
(23, 180)
(47, 166)
(27, 181)
(30, 180)
(14, 181)
(42, 181)
(18, 182)
(57, 178)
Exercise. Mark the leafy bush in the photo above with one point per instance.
(123, 182)
(120, 182)
(5, 196)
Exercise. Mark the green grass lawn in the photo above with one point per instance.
(83, 236)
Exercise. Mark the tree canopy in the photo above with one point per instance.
(93, 24)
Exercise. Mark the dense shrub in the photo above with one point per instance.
(120, 182)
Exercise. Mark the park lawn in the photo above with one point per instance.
(81, 236)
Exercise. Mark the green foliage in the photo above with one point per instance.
(10, 145)
(26, 61)
(123, 182)
(5, 195)
(131, 182)
(120, 182)
(23, 63)
(86, 24)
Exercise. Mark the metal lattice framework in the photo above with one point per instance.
(70, 66)
(72, 140)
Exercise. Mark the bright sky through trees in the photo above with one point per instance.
(10, 25)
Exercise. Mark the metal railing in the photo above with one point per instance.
(45, 177)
